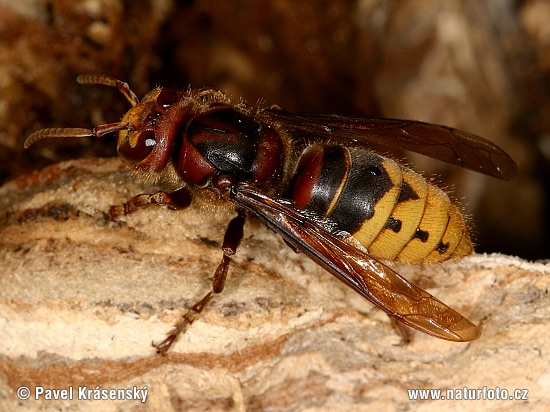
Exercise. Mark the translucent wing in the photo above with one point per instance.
(440, 142)
(370, 278)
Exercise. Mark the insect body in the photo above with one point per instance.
(311, 179)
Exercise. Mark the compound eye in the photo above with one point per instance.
(166, 97)
(135, 147)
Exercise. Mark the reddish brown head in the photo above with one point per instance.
(146, 132)
(152, 126)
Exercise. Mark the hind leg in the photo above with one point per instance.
(231, 240)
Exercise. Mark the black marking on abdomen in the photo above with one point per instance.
(367, 182)
(393, 224)
(442, 247)
(406, 193)
(375, 171)
(421, 235)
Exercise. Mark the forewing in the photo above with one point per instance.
(370, 278)
(439, 142)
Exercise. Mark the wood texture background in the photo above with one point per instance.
(82, 297)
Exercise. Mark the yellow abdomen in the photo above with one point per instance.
(422, 224)
(390, 210)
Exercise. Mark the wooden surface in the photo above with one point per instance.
(82, 297)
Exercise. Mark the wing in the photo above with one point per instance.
(370, 278)
(440, 142)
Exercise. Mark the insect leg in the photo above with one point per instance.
(180, 199)
(231, 240)
(402, 330)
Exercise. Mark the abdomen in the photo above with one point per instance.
(390, 210)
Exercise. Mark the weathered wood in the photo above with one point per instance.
(82, 297)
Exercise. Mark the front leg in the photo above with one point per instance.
(231, 240)
(180, 199)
